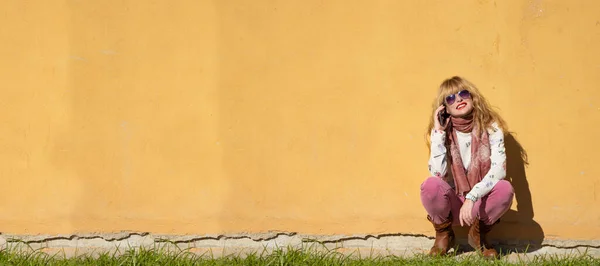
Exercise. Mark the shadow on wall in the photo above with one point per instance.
(518, 225)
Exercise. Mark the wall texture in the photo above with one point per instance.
(198, 117)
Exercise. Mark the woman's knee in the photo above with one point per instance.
(433, 189)
(505, 189)
(497, 203)
(432, 184)
(434, 199)
(501, 200)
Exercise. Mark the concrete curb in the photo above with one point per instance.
(244, 243)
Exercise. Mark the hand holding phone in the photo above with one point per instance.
(442, 117)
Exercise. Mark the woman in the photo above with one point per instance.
(473, 193)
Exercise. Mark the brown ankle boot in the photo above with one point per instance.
(444, 237)
(477, 239)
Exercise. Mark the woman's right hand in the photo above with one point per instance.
(436, 121)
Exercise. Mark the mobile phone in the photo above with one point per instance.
(442, 115)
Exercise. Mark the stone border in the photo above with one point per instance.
(240, 243)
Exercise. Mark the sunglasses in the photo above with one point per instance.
(464, 94)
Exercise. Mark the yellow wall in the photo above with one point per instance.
(202, 117)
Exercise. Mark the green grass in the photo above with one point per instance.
(285, 256)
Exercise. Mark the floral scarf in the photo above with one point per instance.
(465, 179)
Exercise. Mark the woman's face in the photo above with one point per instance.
(461, 106)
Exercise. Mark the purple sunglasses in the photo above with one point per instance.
(464, 94)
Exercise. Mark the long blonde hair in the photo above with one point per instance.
(483, 113)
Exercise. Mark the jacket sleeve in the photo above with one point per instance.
(437, 157)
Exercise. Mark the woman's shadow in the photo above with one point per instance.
(517, 231)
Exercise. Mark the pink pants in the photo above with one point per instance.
(439, 200)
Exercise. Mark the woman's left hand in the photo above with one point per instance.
(466, 217)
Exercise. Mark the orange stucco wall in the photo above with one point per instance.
(194, 117)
